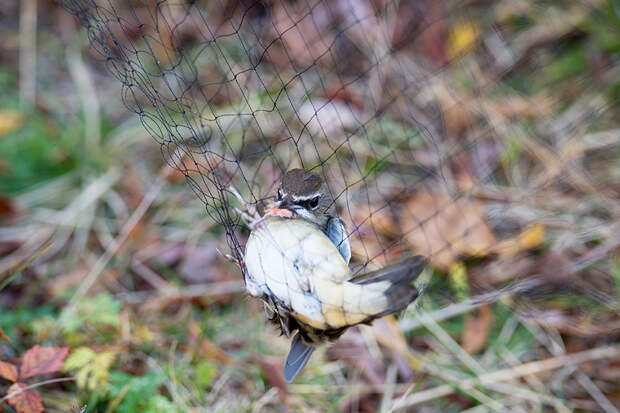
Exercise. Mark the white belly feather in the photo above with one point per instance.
(295, 261)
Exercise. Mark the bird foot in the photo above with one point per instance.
(248, 214)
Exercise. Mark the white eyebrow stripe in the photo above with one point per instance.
(305, 197)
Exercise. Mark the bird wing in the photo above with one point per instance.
(337, 233)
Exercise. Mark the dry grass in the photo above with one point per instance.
(103, 246)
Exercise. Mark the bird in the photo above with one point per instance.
(297, 261)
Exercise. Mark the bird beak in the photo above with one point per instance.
(280, 209)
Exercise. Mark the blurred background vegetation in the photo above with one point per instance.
(110, 264)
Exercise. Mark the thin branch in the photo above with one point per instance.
(32, 386)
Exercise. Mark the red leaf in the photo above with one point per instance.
(27, 401)
(41, 360)
(8, 371)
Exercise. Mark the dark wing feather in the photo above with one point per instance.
(406, 270)
(400, 275)
(337, 234)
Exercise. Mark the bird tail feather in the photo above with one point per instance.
(298, 356)
(388, 289)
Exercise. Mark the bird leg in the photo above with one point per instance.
(249, 213)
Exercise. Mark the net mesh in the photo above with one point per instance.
(419, 131)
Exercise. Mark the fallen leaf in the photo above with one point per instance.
(443, 228)
(10, 121)
(462, 38)
(8, 371)
(369, 234)
(28, 401)
(531, 237)
(42, 360)
(476, 330)
(273, 370)
(381, 220)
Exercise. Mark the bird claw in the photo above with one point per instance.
(232, 259)
(249, 215)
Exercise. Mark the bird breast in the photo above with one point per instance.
(295, 262)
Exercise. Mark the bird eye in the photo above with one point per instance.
(314, 202)
(278, 195)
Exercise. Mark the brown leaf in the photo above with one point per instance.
(443, 228)
(28, 401)
(41, 360)
(476, 330)
(273, 369)
(369, 233)
(8, 371)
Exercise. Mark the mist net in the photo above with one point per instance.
(424, 118)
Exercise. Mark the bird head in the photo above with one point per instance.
(303, 194)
